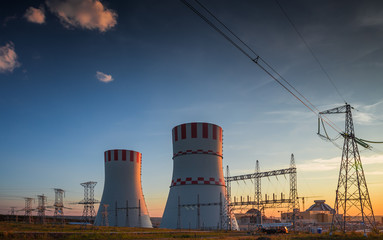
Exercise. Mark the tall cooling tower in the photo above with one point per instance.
(197, 193)
(122, 202)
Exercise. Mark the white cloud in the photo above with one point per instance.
(8, 58)
(369, 114)
(88, 14)
(320, 165)
(35, 15)
(104, 77)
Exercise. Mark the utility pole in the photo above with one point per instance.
(352, 193)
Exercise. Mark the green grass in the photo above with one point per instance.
(48, 231)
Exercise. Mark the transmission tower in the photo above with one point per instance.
(228, 220)
(41, 200)
(105, 218)
(293, 187)
(88, 213)
(13, 211)
(28, 209)
(353, 208)
(59, 204)
(258, 193)
(12, 216)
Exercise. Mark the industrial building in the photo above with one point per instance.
(319, 212)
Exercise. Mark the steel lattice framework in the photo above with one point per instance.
(291, 203)
(41, 207)
(59, 204)
(258, 193)
(105, 217)
(28, 209)
(88, 213)
(353, 208)
(262, 174)
(293, 188)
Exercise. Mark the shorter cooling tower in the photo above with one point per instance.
(122, 202)
(197, 192)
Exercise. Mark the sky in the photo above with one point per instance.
(81, 77)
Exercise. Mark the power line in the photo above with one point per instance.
(310, 50)
(266, 67)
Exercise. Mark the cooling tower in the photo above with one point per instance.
(197, 192)
(122, 202)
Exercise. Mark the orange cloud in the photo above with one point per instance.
(35, 15)
(103, 77)
(88, 14)
(8, 58)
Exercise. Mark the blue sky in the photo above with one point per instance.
(168, 67)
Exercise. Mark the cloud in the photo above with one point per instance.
(8, 58)
(104, 77)
(369, 114)
(321, 165)
(370, 16)
(88, 14)
(35, 15)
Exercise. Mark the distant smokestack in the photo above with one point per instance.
(197, 179)
(122, 191)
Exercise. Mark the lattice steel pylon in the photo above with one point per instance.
(353, 208)
(258, 191)
(228, 220)
(13, 211)
(105, 217)
(293, 187)
(88, 213)
(59, 205)
(28, 209)
(41, 200)
(12, 214)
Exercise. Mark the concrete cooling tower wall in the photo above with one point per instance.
(123, 202)
(197, 192)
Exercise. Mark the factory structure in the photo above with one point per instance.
(319, 212)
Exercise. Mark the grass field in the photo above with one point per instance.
(48, 231)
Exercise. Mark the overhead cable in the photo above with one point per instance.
(266, 67)
(310, 50)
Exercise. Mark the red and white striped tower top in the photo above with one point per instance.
(204, 140)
